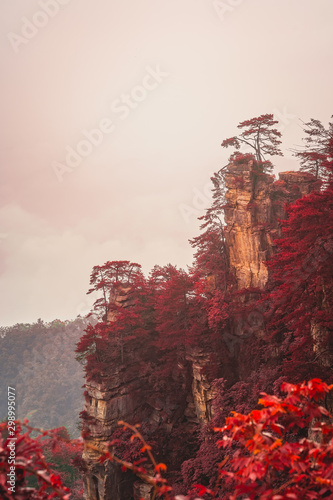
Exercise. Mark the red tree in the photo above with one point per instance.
(259, 135)
(21, 459)
(111, 274)
(211, 257)
(276, 458)
(175, 318)
(300, 299)
(317, 147)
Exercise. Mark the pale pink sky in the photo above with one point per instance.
(193, 69)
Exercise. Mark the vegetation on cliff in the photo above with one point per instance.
(255, 337)
(178, 351)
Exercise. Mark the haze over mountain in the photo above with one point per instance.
(125, 199)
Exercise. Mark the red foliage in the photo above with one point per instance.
(109, 276)
(238, 182)
(21, 458)
(301, 285)
(259, 135)
(272, 462)
(318, 146)
(174, 311)
(179, 319)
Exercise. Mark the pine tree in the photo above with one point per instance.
(258, 135)
(317, 147)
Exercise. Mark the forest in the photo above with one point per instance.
(48, 381)
(220, 375)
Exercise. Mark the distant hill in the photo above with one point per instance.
(39, 361)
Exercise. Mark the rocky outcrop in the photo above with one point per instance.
(199, 409)
(125, 392)
(116, 398)
(120, 297)
(255, 203)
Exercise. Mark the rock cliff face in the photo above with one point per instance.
(255, 203)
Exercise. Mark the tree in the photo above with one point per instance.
(211, 259)
(318, 144)
(276, 458)
(174, 297)
(211, 270)
(110, 276)
(64, 455)
(300, 297)
(282, 451)
(259, 135)
(86, 347)
(28, 463)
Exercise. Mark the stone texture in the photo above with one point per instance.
(255, 202)
(142, 490)
(199, 408)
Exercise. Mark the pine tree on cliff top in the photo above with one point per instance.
(258, 134)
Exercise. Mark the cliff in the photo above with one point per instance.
(255, 203)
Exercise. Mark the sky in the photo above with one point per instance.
(113, 114)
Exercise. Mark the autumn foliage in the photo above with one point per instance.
(283, 451)
(253, 341)
(259, 135)
(299, 298)
(316, 148)
(29, 463)
(286, 448)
